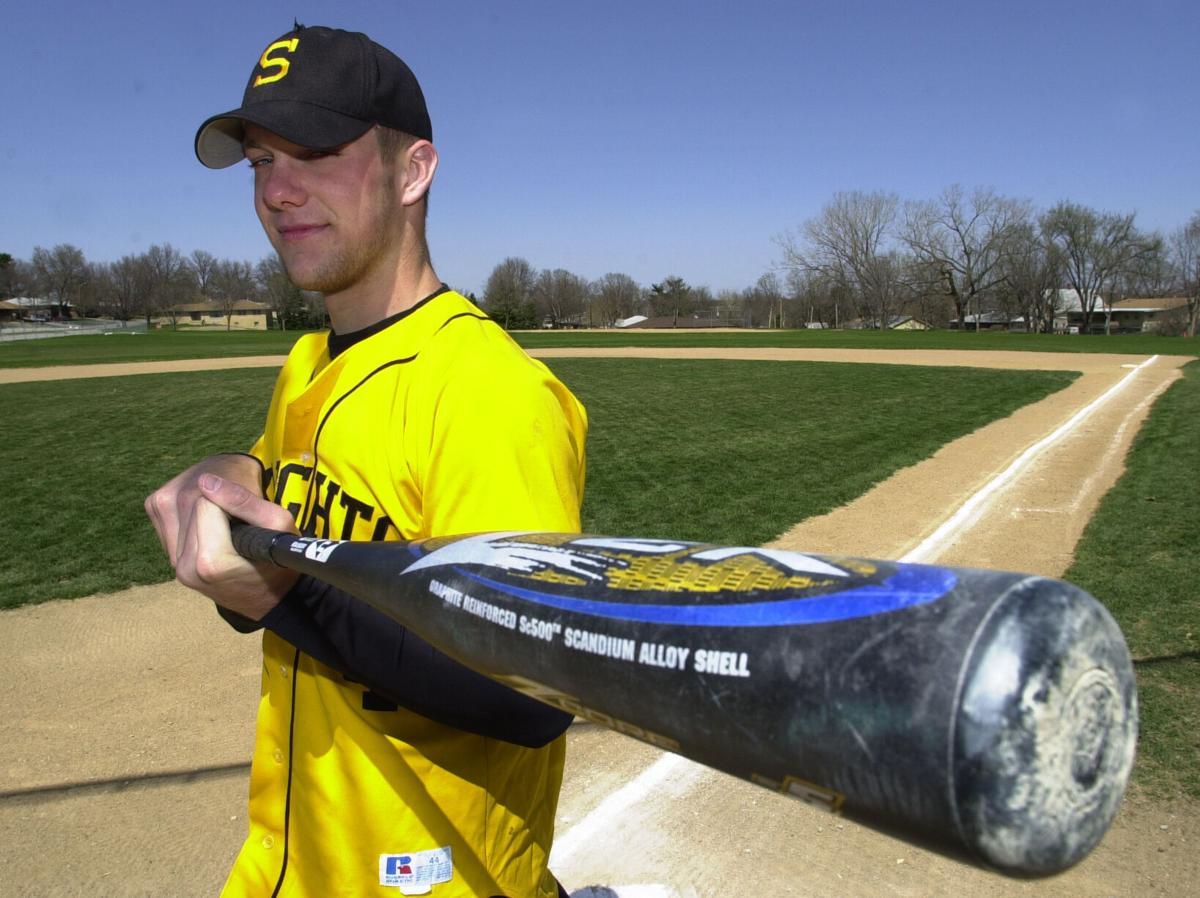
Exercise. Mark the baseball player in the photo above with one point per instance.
(380, 766)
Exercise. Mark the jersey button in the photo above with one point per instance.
(278, 756)
(268, 842)
(283, 671)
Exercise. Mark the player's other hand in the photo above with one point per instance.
(191, 514)
(170, 507)
(207, 561)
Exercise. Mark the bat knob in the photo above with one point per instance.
(1046, 731)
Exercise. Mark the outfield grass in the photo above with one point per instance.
(1138, 554)
(739, 451)
(168, 344)
(726, 451)
(81, 455)
(143, 346)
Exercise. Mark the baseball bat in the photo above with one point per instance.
(985, 714)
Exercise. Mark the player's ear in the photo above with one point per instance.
(420, 164)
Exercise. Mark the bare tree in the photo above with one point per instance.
(849, 243)
(62, 273)
(204, 266)
(169, 279)
(230, 283)
(560, 295)
(762, 304)
(614, 296)
(508, 294)
(704, 303)
(1151, 275)
(926, 297)
(966, 240)
(1094, 248)
(818, 298)
(294, 308)
(125, 287)
(1185, 258)
(1033, 278)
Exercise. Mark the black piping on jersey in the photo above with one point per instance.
(463, 315)
(287, 801)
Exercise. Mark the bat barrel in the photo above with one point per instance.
(979, 712)
(1045, 729)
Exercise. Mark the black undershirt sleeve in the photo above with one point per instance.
(370, 648)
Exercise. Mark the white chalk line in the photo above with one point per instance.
(1110, 449)
(600, 820)
(968, 513)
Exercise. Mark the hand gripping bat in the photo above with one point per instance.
(977, 712)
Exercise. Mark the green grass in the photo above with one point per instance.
(81, 455)
(133, 346)
(738, 451)
(168, 344)
(1137, 344)
(732, 452)
(1138, 554)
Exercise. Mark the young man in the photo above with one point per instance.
(379, 764)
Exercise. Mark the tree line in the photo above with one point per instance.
(519, 296)
(866, 259)
(869, 259)
(154, 283)
(968, 254)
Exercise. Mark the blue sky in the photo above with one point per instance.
(650, 138)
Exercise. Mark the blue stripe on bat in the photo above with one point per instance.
(909, 586)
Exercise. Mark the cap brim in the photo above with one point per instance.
(219, 139)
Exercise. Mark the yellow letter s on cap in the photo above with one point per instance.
(282, 62)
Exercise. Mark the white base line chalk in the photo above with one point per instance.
(970, 510)
(600, 822)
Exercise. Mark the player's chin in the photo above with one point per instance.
(302, 271)
(328, 279)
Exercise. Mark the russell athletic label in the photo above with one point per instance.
(416, 872)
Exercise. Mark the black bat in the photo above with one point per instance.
(978, 712)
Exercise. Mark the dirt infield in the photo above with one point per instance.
(129, 716)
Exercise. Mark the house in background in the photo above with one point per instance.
(9, 311)
(1147, 315)
(38, 308)
(247, 315)
(1136, 315)
(906, 323)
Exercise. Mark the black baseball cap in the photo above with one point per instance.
(320, 88)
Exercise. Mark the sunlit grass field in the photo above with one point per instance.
(168, 344)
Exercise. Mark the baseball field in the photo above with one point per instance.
(130, 707)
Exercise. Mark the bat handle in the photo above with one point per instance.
(254, 543)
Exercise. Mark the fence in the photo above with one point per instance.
(12, 331)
